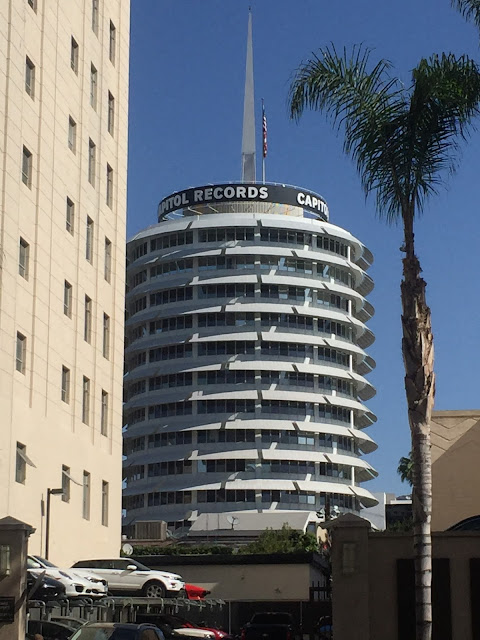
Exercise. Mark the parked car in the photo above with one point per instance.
(116, 631)
(129, 577)
(183, 627)
(269, 626)
(195, 592)
(50, 630)
(47, 588)
(75, 585)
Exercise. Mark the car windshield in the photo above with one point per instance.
(33, 564)
(110, 633)
(45, 563)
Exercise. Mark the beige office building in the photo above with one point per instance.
(63, 150)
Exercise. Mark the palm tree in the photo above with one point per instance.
(405, 469)
(403, 141)
(470, 9)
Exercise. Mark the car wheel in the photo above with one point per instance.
(154, 589)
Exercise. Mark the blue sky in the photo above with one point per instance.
(186, 92)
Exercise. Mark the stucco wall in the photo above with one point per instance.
(455, 467)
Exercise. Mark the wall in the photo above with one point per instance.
(248, 578)
(455, 468)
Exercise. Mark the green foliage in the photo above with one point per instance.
(402, 526)
(285, 540)
(402, 139)
(470, 10)
(183, 550)
(405, 469)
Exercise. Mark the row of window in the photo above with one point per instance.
(302, 295)
(213, 436)
(159, 498)
(275, 467)
(23, 461)
(247, 234)
(244, 262)
(268, 320)
(239, 405)
(239, 347)
(24, 247)
(240, 376)
(27, 165)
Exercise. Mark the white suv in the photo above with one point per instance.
(128, 577)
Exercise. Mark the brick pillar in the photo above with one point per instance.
(350, 584)
(13, 552)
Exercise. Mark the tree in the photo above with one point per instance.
(405, 469)
(284, 540)
(403, 141)
(470, 9)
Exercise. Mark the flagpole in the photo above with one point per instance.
(263, 139)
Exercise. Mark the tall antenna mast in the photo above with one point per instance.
(248, 136)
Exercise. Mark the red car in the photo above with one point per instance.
(195, 593)
(177, 622)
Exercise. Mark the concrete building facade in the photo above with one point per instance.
(63, 126)
(245, 358)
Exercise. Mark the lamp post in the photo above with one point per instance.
(50, 492)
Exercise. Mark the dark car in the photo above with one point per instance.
(50, 630)
(270, 626)
(117, 631)
(46, 589)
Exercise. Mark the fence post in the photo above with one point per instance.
(350, 577)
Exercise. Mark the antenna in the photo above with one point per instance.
(233, 520)
(248, 136)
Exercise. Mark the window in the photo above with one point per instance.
(111, 113)
(92, 154)
(72, 135)
(27, 167)
(29, 77)
(104, 503)
(21, 353)
(70, 217)
(86, 496)
(67, 299)
(112, 43)
(23, 258)
(93, 86)
(74, 55)
(89, 240)
(86, 400)
(95, 16)
(87, 330)
(65, 384)
(104, 414)
(108, 260)
(106, 336)
(109, 199)
(66, 483)
(21, 463)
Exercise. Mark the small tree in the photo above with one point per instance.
(285, 540)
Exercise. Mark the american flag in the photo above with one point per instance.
(264, 131)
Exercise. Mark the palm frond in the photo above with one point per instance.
(444, 101)
(470, 10)
(402, 140)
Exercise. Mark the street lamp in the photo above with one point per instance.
(50, 492)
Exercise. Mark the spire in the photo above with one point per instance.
(248, 137)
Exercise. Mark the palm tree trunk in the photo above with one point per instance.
(417, 350)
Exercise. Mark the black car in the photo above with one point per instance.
(117, 631)
(46, 589)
